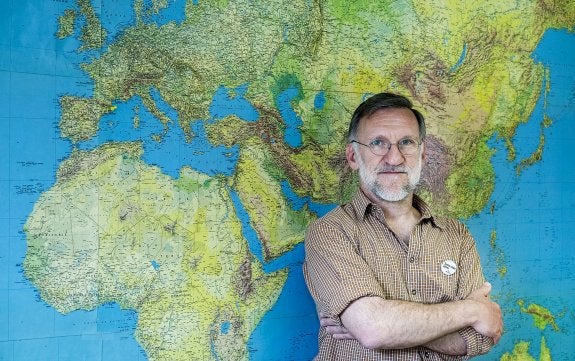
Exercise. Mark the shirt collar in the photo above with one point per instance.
(363, 206)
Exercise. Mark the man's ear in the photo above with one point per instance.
(351, 157)
(423, 155)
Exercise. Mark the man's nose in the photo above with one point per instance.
(394, 155)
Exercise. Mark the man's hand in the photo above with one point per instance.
(407, 328)
(336, 330)
(489, 321)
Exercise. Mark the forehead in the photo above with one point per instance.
(389, 122)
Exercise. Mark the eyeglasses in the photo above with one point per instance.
(380, 147)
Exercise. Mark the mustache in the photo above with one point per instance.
(393, 169)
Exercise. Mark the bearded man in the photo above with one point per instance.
(392, 281)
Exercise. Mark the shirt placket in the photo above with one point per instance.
(413, 266)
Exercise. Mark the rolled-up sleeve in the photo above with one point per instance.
(335, 273)
(477, 344)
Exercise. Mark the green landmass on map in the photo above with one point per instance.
(172, 250)
(114, 229)
(521, 352)
(66, 24)
(542, 317)
(498, 254)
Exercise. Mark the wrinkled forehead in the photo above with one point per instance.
(389, 122)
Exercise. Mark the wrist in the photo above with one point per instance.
(471, 312)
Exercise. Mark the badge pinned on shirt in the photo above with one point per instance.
(448, 267)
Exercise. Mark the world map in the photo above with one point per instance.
(162, 159)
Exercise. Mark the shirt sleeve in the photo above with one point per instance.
(334, 271)
(477, 344)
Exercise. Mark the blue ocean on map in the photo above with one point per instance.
(232, 102)
(533, 219)
(173, 151)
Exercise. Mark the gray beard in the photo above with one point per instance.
(369, 179)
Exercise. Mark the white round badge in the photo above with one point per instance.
(448, 267)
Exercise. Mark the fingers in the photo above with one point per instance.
(496, 339)
(500, 328)
(339, 332)
(489, 318)
(497, 336)
(486, 288)
(482, 292)
(334, 328)
(326, 320)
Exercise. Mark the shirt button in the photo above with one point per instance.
(413, 292)
(427, 354)
(411, 259)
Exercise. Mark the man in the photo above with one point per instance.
(390, 280)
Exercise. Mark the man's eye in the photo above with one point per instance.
(407, 142)
(377, 143)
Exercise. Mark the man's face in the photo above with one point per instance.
(393, 176)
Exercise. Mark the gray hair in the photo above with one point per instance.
(382, 101)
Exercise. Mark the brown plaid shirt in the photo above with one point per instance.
(351, 253)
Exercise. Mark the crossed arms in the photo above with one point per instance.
(355, 306)
(388, 324)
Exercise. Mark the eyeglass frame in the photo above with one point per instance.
(397, 144)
